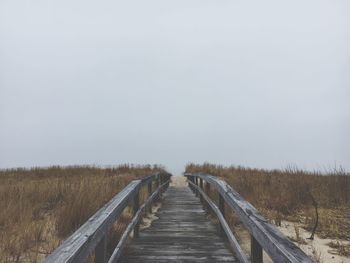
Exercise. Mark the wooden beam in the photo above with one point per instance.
(207, 188)
(136, 207)
(101, 251)
(149, 194)
(222, 207)
(201, 186)
(256, 251)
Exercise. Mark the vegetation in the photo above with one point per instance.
(289, 194)
(40, 207)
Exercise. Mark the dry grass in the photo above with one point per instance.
(40, 207)
(342, 249)
(287, 194)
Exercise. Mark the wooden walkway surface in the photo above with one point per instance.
(183, 233)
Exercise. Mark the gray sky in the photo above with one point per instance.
(257, 83)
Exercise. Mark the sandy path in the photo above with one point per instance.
(178, 181)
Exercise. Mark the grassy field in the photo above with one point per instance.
(40, 207)
(290, 194)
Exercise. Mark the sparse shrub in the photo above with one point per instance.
(341, 248)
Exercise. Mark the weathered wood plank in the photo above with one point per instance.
(183, 233)
(136, 207)
(149, 188)
(101, 251)
(256, 251)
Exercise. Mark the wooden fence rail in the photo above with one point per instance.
(92, 235)
(264, 236)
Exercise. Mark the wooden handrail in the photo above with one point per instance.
(264, 235)
(231, 238)
(122, 242)
(92, 235)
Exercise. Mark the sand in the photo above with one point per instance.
(317, 248)
(150, 217)
(178, 181)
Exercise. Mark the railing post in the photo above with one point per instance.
(136, 208)
(196, 182)
(149, 194)
(207, 191)
(101, 251)
(222, 205)
(256, 251)
(222, 208)
(158, 184)
(201, 186)
(168, 178)
(190, 179)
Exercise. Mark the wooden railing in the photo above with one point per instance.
(264, 236)
(92, 235)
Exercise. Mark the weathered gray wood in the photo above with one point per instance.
(122, 242)
(149, 178)
(207, 192)
(255, 251)
(279, 247)
(222, 205)
(101, 251)
(201, 187)
(158, 183)
(88, 237)
(207, 188)
(225, 227)
(183, 233)
(149, 194)
(136, 207)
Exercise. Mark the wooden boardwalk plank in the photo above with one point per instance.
(183, 233)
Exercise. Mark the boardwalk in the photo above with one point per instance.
(183, 233)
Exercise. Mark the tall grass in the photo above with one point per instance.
(42, 206)
(287, 194)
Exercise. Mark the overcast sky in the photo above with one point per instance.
(254, 83)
